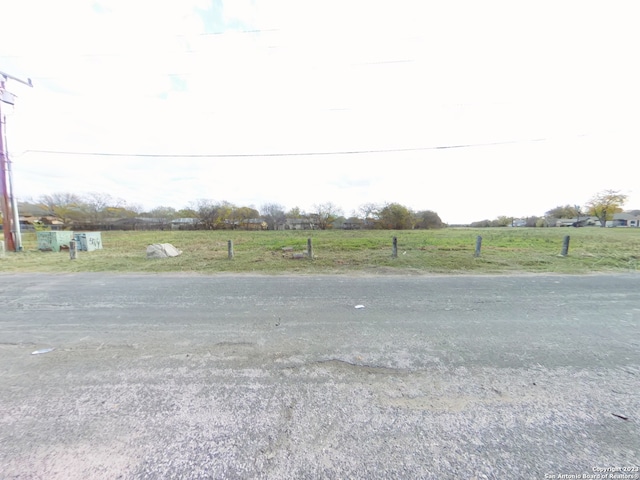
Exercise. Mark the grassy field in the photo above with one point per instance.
(504, 250)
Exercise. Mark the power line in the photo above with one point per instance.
(163, 74)
(137, 52)
(280, 154)
(227, 32)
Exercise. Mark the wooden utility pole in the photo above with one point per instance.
(10, 219)
(7, 214)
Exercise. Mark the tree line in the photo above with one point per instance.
(602, 206)
(102, 208)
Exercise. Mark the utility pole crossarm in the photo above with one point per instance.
(11, 77)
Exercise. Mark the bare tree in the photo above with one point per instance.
(273, 214)
(369, 212)
(205, 212)
(66, 206)
(325, 214)
(100, 206)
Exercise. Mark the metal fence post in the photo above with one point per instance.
(230, 249)
(73, 250)
(394, 250)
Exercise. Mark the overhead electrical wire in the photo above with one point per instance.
(279, 154)
(177, 35)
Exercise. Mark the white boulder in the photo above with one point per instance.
(162, 250)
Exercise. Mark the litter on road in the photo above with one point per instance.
(42, 350)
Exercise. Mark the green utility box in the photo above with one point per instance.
(88, 241)
(54, 241)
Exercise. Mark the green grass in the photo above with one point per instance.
(504, 250)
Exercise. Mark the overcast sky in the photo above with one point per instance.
(541, 100)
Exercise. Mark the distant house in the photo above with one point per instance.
(577, 222)
(619, 220)
(298, 224)
(48, 222)
(353, 223)
(28, 223)
(339, 223)
(140, 223)
(624, 220)
(253, 224)
(184, 223)
(246, 224)
(52, 221)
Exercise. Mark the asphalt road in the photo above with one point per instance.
(176, 376)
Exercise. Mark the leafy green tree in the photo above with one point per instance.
(166, 213)
(122, 212)
(534, 221)
(481, 224)
(604, 204)
(502, 221)
(223, 212)
(241, 215)
(564, 211)
(186, 213)
(394, 216)
(295, 212)
(428, 219)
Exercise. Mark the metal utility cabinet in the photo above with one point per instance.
(88, 241)
(54, 241)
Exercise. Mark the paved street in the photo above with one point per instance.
(184, 376)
